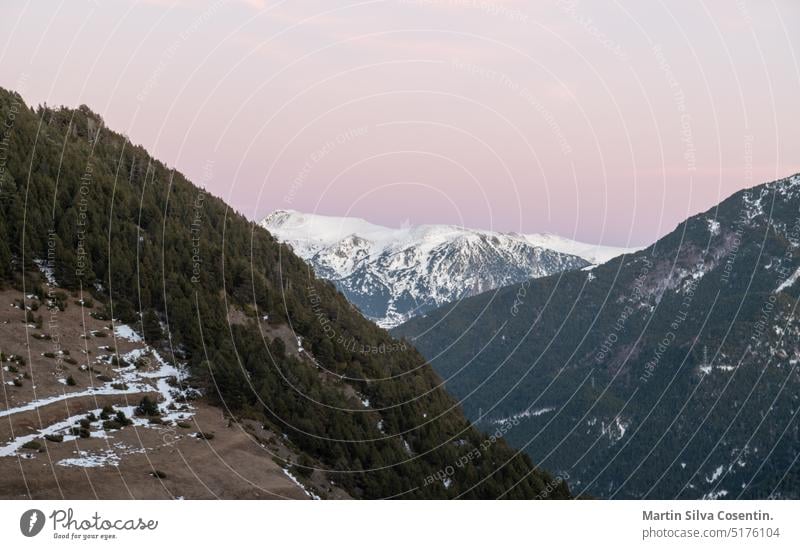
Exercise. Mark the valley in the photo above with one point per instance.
(667, 373)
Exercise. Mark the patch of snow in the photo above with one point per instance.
(622, 428)
(97, 391)
(294, 479)
(789, 282)
(87, 459)
(753, 206)
(12, 447)
(125, 332)
(715, 475)
(526, 414)
(615, 430)
(707, 368)
(135, 382)
(47, 270)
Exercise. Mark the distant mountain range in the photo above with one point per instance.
(392, 275)
(668, 373)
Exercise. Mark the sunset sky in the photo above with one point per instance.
(608, 122)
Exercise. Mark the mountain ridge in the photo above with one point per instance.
(650, 373)
(394, 274)
(244, 317)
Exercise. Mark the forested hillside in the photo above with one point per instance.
(263, 336)
(671, 372)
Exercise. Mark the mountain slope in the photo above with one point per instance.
(254, 330)
(394, 274)
(671, 372)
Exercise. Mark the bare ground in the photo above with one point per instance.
(240, 461)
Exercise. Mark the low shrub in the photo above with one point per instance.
(122, 418)
(32, 445)
(147, 407)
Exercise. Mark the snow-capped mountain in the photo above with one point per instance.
(392, 275)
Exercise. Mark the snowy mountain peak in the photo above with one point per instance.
(395, 274)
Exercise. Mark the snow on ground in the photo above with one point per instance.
(707, 368)
(87, 459)
(619, 430)
(789, 282)
(46, 270)
(753, 205)
(715, 475)
(111, 457)
(294, 479)
(137, 381)
(126, 332)
(616, 429)
(101, 390)
(15, 445)
(526, 414)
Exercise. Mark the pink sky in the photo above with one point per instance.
(609, 122)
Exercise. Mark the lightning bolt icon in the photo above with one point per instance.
(33, 520)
